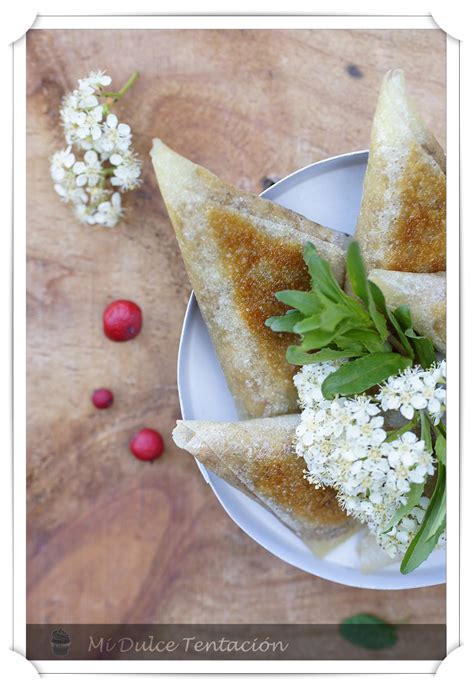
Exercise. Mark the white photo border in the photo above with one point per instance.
(19, 318)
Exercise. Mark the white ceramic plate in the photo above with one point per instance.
(327, 192)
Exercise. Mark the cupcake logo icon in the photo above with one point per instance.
(60, 642)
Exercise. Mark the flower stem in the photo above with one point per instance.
(118, 94)
(442, 428)
(399, 431)
(397, 345)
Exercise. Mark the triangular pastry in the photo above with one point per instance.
(257, 457)
(239, 250)
(402, 221)
(424, 294)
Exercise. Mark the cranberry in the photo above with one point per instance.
(122, 320)
(102, 398)
(147, 445)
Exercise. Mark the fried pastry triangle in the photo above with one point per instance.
(402, 221)
(239, 250)
(423, 293)
(257, 457)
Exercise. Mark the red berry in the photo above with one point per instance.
(122, 320)
(102, 398)
(147, 445)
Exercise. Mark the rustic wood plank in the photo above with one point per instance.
(109, 538)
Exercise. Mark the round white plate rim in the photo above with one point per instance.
(342, 575)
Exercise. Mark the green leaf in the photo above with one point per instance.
(297, 356)
(379, 320)
(346, 342)
(322, 278)
(410, 332)
(368, 631)
(439, 521)
(422, 346)
(284, 323)
(424, 350)
(430, 529)
(334, 315)
(356, 273)
(413, 499)
(440, 447)
(369, 339)
(401, 335)
(359, 375)
(379, 300)
(316, 339)
(426, 432)
(305, 301)
(312, 322)
(402, 314)
(361, 288)
(378, 297)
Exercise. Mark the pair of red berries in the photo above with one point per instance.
(123, 321)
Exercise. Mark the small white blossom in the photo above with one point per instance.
(362, 407)
(85, 213)
(88, 123)
(116, 139)
(69, 191)
(368, 430)
(89, 170)
(109, 212)
(97, 194)
(94, 81)
(127, 172)
(61, 162)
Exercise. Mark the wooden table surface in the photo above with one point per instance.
(111, 539)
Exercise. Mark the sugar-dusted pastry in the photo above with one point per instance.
(402, 221)
(257, 457)
(239, 250)
(424, 294)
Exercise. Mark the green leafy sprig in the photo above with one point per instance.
(333, 325)
(378, 343)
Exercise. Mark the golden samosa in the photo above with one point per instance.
(424, 294)
(239, 250)
(402, 221)
(257, 457)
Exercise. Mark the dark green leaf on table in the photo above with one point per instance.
(368, 631)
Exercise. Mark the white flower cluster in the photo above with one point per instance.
(397, 539)
(346, 446)
(414, 390)
(105, 155)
